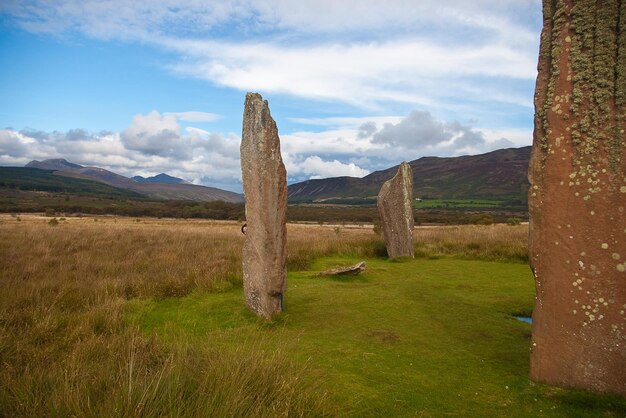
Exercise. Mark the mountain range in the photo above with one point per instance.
(500, 175)
(162, 186)
(159, 178)
(497, 175)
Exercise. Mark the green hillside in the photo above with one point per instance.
(34, 179)
(497, 176)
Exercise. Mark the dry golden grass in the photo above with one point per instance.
(65, 349)
(492, 242)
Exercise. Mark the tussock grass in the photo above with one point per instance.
(308, 242)
(482, 242)
(66, 350)
(128, 374)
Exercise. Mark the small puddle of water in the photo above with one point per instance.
(526, 319)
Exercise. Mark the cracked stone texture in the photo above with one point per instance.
(394, 203)
(265, 190)
(577, 197)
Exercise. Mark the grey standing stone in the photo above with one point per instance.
(265, 190)
(395, 201)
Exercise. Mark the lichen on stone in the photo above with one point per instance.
(598, 96)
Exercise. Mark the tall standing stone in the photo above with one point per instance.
(395, 207)
(265, 190)
(578, 195)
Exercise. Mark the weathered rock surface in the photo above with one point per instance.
(396, 213)
(265, 190)
(345, 271)
(577, 197)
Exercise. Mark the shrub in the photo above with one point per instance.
(482, 219)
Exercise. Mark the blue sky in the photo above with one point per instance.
(354, 86)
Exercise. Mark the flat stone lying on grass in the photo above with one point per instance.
(345, 271)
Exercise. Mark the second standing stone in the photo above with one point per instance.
(395, 201)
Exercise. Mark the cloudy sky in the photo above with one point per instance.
(355, 86)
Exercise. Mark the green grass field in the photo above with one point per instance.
(412, 338)
(460, 204)
(127, 317)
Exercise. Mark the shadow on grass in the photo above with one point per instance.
(346, 278)
(401, 260)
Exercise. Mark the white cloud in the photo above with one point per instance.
(314, 167)
(517, 137)
(123, 19)
(362, 74)
(449, 56)
(429, 53)
(374, 145)
(342, 141)
(420, 133)
(152, 144)
(419, 128)
(12, 144)
(227, 145)
(155, 143)
(154, 134)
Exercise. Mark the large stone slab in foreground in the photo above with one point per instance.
(395, 201)
(265, 191)
(352, 270)
(577, 197)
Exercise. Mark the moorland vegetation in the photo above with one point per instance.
(105, 316)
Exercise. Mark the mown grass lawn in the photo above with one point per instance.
(425, 337)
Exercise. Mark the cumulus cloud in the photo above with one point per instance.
(314, 167)
(373, 145)
(12, 144)
(367, 129)
(418, 128)
(154, 134)
(76, 134)
(152, 143)
(422, 133)
(155, 143)
(449, 57)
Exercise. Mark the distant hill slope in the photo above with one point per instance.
(36, 179)
(165, 191)
(500, 174)
(187, 192)
(159, 178)
(53, 164)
